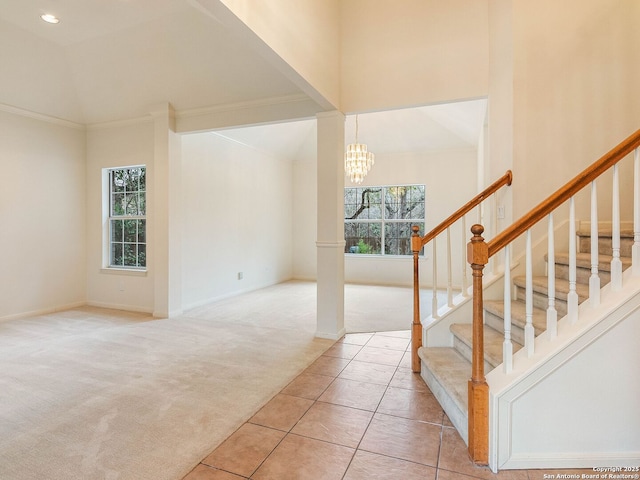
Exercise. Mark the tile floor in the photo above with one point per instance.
(358, 412)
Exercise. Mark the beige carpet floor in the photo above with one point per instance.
(100, 394)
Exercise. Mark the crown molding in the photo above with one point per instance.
(248, 105)
(216, 110)
(41, 117)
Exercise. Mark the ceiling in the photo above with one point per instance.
(109, 60)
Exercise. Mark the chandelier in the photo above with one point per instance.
(357, 160)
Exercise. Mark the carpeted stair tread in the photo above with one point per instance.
(541, 284)
(518, 314)
(604, 232)
(451, 370)
(583, 260)
(493, 341)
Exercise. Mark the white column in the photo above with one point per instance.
(465, 265)
(529, 332)
(616, 263)
(166, 213)
(635, 249)
(330, 243)
(594, 279)
(449, 273)
(434, 288)
(552, 313)
(572, 296)
(507, 345)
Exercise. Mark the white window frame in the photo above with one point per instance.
(108, 218)
(383, 221)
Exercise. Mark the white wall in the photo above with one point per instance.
(450, 180)
(42, 212)
(305, 225)
(412, 52)
(574, 91)
(238, 206)
(108, 147)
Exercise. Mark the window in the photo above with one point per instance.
(378, 220)
(127, 217)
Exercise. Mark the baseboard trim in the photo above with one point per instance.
(127, 308)
(571, 460)
(43, 311)
(331, 336)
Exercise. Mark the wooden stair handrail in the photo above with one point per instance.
(418, 242)
(506, 179)
(564, 193)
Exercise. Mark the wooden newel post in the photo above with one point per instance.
(478, 257)
(416, 327)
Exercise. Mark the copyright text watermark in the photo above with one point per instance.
(600, 473)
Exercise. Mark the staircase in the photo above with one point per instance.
(446, 370)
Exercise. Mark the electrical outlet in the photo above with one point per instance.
(500, 212)
(240, 275)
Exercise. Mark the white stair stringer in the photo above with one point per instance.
(574, 402)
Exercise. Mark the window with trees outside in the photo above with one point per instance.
(127, 217)
(378, 220)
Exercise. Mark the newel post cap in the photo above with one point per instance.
(416, 239)
(477, 248)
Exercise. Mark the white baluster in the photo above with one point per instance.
(552, 313)
(507, 346)
(465, 280)
(449, 275)
(434, 300)
(616, 263)
(572, 296)
(635, 250)
(594, 279)
(529, 333)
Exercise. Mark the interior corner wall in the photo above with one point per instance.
(237, 222)
(444, 194)
(412, 52)
(575, 94)
(42, 212)
(109, 147)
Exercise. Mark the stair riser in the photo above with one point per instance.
(497, 323)
(605, 245)
(541, 301)
(456, 413)
(582, 274)
(465, 351)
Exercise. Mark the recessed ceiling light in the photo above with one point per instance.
(47, 17)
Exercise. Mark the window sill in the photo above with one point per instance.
(381, 257)
(124, 271)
